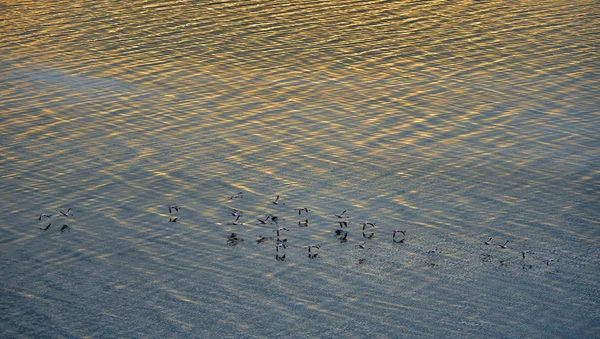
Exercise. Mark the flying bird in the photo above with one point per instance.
(312, 246)
(68, 213)
(365, 224)
(300, 209)
(264, 220)
(398, 231)
(236, 196)
(235, 222)
(341, 215)
(280, 229)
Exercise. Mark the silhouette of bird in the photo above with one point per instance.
(280, 229)
(236, 196)
(173, 207)
(46, 228)
(341, 215)
(397, 231)
(263, 239)
(525, 252)
(234, 239)
(237, 219)
(68, 213)
(264, 220)
(44, 215)
(344, 238)
(300, 209)
(312, 246)
(365, 224)
(368, 235)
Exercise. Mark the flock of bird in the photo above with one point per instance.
(342, 219)
(65, 227)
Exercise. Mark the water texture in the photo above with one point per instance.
(455, 122)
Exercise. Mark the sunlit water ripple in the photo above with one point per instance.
(454, 122)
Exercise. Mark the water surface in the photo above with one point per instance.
(453, 122)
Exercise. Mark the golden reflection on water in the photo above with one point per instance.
(455, 121)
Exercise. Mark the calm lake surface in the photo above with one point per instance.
(454, 122)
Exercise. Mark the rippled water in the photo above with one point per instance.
(455, 122)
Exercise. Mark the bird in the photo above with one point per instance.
(46, 228)
(303, 223)
(505, 244)
(312, 246)
(173, 207)
(344, 238)
(343, 223)
(236, 196)
(68, 213)
(280, 257)
(233, 239)
(525, 252)
(397, 231)
(300, 209)
(341, 215)
(280, 229)
(235, 222)
(235, 213)
(64, 228)
(263, 239)
(548, 261)
(489, 242)
(368, 235)
(264, 221)
(44, 215)
(276, 201)
(313, 255)
(173, 219)
(433, 250)
(365, 224)
(362, 245)
(280, 245)
(338, 232)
